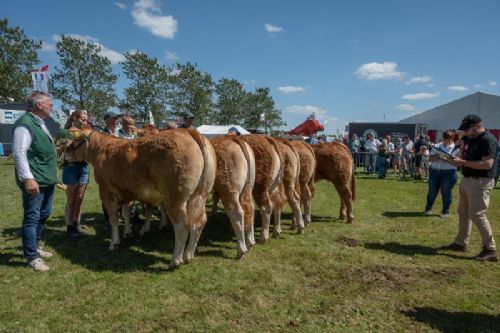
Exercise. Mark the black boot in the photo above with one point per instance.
(72, 233)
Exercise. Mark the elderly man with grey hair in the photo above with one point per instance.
(35, 162)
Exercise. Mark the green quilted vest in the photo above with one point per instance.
(42, 156)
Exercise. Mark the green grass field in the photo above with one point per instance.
(380, 274)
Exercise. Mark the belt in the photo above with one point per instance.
(475, 177)
(76, 163)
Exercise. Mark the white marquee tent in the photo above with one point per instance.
(449, 116)
(211, 131)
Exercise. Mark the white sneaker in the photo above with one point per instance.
(38, 265)
(44, 254)
(444, 216)
(428, 212)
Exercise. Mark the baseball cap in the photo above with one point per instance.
(112, 114)
(469, 121)
(188, 115)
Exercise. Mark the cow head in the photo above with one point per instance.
(77, 150)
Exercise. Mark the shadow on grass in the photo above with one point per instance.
(454, 322)
(314, 218)
(393, 215)
(410, 249)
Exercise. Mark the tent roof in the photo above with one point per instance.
(216, 130)
(450, 115)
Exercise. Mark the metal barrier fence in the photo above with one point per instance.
(402, 164)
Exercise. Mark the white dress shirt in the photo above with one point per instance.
(21, 142)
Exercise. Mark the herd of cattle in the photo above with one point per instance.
(178, 169)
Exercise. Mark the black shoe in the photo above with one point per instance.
(487, 255)
(72, 233)
(454, 247)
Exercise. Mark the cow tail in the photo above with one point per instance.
(203, 144)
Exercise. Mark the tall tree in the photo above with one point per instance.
(260, 111)
(18, 55)
(149, 88)
(231, 98)
(192, 92)
(86, 79)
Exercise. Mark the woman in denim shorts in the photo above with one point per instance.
(75, 176)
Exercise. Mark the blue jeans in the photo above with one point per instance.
(443, 180)
(382, 165)
(37, 209)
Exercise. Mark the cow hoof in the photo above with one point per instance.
(293, 227)
(261, 241)
(300, 231)
(276, 235)
(162, 227)
(128, 235)
(350, 221)
(240, 256)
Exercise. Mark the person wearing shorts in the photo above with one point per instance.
(76, 177)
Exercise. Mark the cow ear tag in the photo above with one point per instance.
(77, 134)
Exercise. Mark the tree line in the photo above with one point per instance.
(85, 79)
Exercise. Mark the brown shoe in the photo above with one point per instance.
(454, 247)
(487, 255)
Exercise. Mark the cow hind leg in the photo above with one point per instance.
(265, 215)
(236, 216)
(111, 208)
(215, 202)
(164, 218)
(148, 213)
(297, 214)
(179, 220)
(127, 230)
(197, 219)
(277, 222)
(345, 203)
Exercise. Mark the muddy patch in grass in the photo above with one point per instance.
(382, 276)
(448, 274)
(351, 242)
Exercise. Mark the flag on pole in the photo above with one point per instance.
(40, 79)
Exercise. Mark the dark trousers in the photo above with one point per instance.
(37, 209)
(444, 181)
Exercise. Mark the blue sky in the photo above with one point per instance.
(345, 60)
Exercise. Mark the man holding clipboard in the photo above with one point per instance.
(476, 157)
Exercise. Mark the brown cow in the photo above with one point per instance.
(234, 181)
(335, 164)
(175, 168)
(268, 176)
(289, 187)
(306, 177)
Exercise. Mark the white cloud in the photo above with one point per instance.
(419, 96)
(147, 14)
(405, 107)
(492, 83)
(379, 71)
(48, 47)
(272, 28)
(171, 55)
(478, 85)
(113, 56)
(305, 110)
(290, 89)
(419, 79)
(120, 5)
(458, 88)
